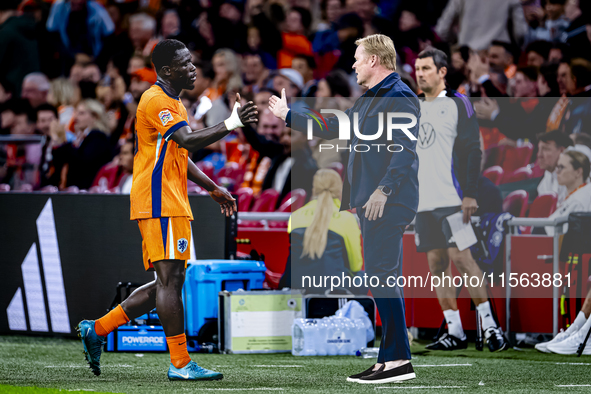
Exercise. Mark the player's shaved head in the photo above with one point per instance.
(165, 52)
(174, 65)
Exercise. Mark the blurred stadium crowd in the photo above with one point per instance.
(73, 71)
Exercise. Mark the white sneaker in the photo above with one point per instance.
(571, 344)
(561, 336)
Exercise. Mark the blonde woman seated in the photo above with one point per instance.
(572, 171)
(325, 242)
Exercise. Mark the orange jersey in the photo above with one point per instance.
(160, 165)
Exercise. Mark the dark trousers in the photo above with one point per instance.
(382, 250)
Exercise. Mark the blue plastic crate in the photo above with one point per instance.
(137, 339)
(206, 278)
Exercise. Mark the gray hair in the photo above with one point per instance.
(39, 79)
(147, 22)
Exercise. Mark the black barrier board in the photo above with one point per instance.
(62, 256)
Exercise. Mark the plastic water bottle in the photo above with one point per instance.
(359, 336)
(368, 352)
(297, 338)
(310, 333)
(331, 329)
(349, 346)
(303, 337)
(321, 336)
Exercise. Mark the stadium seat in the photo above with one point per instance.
(272, 280)
(4, 187)
(542, 207)
(25, 187)
(245, 197)
(494, 156)
(293, 201)
(515, 158)
(338, 167)
(520, 174)
(516, 203)
(231, 170)
(230, 174)
(196, 189)
(494, 173)
(49, 189)
(72, 189)
(98, 190)
(207, 168)
(537, 171)
(266, 201)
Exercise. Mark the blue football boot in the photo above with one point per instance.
(192, 371)
(93, 344)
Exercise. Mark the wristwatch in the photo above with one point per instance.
(386, 191)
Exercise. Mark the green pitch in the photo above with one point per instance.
(46, 366)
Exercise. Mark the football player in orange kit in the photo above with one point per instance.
(160, 205)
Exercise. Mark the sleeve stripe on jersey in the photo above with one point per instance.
(157, 184)
(174, 128)
(467, 104)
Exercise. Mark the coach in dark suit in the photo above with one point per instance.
(381, 183)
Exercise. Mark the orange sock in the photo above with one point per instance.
(177, 345)
(110, 321)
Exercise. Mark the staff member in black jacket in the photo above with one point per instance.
(381, 183)
(449, 150)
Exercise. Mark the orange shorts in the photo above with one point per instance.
(165, 239)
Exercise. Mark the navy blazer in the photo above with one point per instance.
(368, 170)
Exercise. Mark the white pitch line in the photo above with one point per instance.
(420, 387)
(573, 363)
(443, 365)
(250, 389)
(573, 385)
(263, 366)
(278, 366)
(86, 366)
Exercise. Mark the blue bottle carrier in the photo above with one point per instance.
(206, 278)
(142, 334)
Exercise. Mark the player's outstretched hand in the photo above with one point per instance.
(225, 199)
(248, 112)
(279, 105)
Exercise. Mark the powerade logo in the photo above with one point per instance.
(151, 340)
